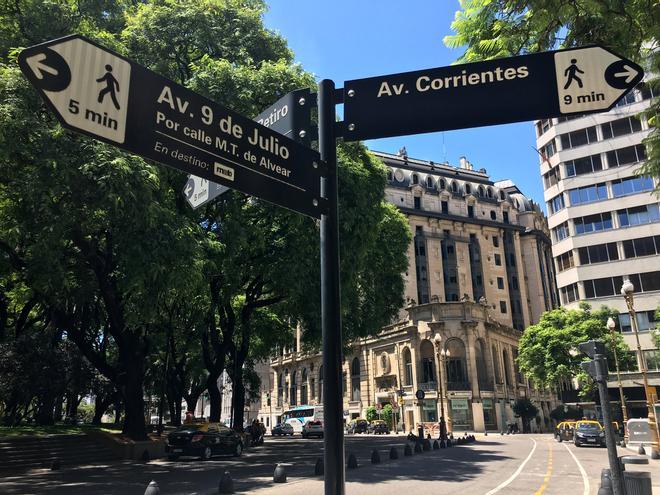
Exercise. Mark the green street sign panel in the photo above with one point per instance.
(97, 92)
(527, 87)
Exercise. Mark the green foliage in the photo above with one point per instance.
(371, 413)
(499, 28)
(525, 409)
(387, 415)
(563, 413)
(549, 350)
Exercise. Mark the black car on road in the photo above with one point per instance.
(203, 440)
(589, 433)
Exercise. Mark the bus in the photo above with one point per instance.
(298, 416)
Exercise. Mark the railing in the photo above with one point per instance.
(429, 386)
(458, 385)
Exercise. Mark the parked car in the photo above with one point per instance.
(379, 427)
(203, 440)
(282, 429)
(358, 425)
(589, 433)
(564, 431)
(312, 429)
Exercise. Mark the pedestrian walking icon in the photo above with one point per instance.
(111, 86)
(571, 74)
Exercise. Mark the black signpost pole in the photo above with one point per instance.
(333, 454)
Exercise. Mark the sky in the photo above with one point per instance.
(343, 40)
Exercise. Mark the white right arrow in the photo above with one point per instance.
(36, 63)
(629, 72)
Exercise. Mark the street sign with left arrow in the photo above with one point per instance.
(97, 92)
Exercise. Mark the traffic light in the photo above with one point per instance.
(590, 368)
(592, 347)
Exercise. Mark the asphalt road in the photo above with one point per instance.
(517, 464)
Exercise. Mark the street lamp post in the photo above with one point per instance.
(441, 353)
(610, 326)
(627, 290)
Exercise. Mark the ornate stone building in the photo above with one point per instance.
(480, 271)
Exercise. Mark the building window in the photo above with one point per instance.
(498, 260)
(496, 364)
(502, 306)
(355, 380)
(587, 194)
(631, 185)
(407, 365)
(468, 189)
(417, 202)
(442, 184)
(626, 156)
(646, 91)
(565, 261)
(560, 232)
(500, 283)
(551, 177)
(493, 215)
(505, 216)
(390, 176)
(548, 150)
(593, 223)
(320, 384)
(585, 165)
(470, 211)
(542, 126)
(626, 100)
(429, 182)
(454, 187)
(638, 215)
(621, 127)
(645, 246)
(415, 179)
(598, 253)
(294, 390)
(578, 138)
(303, 387)
(480, 191)
(496, 241)
(556, 204)
(609, 286)
(444, 207)
(645, 321)
(568, 294)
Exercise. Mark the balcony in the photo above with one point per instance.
(458, 386)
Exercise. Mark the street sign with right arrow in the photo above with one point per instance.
(527, 87)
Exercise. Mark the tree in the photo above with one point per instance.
(525, 409)
(500, 28)
(565, 412)
(549, 350)
(371, 413)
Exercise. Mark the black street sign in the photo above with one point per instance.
(527, 87)
(96, 92)
(291, 115)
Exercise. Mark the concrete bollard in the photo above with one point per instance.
(605, 483)
(641, 450)
(152, 489)
(55, 465)
(226, 483)
(407, 451)
(436, 446)
(418, 448)
(375, 457)
(279, 475)
(394, 454)
(352, 462)
(318, 467)
(426, 446)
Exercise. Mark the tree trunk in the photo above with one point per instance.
(101, 405)
(238, 401)
(46, 409)
(118, 410)
(215, 399)
(133, 393)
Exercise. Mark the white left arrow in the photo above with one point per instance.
(36, 63)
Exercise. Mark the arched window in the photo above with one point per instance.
(454, 187)
(429, 182)
(489, 193)
(496, 364)
(303, 387)
(415, 179)
(355, 380)
(407, 367)
(320, 384)
(442, 184)
(485, 382)
(507, 368)
(502, 195)
(456, 365)
(292, 393)
(427, 356)
(390, 176)
(280, 390)
(468, 189)
(480, 191)
(493, 215)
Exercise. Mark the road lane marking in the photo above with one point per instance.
(585, 478)
(514, 475)
(548, 473)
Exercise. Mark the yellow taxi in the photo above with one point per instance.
(564, 431)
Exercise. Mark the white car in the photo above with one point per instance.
(312, 429)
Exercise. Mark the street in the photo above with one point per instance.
(517, 464)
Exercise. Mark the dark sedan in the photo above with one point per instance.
(203, 440)
(589, 433)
